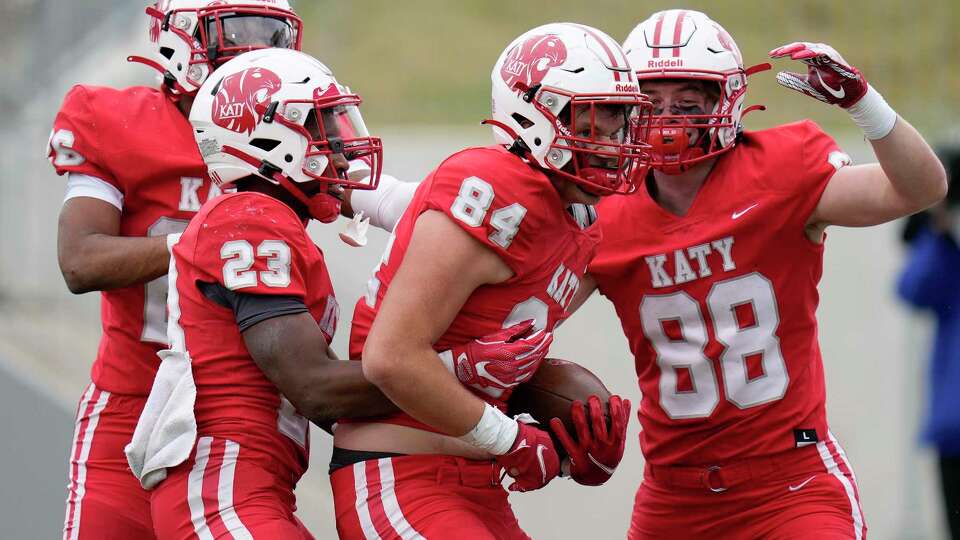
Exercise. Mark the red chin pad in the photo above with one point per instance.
(671, 150)
(324, 208)
(667, 140)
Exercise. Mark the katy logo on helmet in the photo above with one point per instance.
(243, 99)
(528, 62)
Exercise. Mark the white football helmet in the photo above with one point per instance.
(546, 78)
(190, 38)
(685, 44)
(280, 114)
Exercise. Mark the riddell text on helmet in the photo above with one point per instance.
(665, 63)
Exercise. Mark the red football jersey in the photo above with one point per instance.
(513, 209)
(252, 244)
(719, 306)
(137, 140)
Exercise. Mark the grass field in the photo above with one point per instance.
(429, 61)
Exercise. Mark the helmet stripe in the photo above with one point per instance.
(677, 31)
(656, 36)
(606, 49)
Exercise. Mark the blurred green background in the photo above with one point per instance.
(429, 61)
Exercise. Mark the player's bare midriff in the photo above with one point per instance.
(380, 437)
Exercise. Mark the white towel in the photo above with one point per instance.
(167, 428)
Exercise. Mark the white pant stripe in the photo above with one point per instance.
(195, 489)
(363, 510)
(843, 455)
(84, 401)
(390, 504)
(846, 462)
(833, 469)
(84, 454)
(225, 493)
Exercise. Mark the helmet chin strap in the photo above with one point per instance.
(518, 147)
(322, 207)
(168, 80)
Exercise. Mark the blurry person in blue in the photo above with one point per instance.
(930, 281)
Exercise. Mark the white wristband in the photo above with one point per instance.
(495, 432)
(873, 115)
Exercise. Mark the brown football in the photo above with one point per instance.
(552, 390)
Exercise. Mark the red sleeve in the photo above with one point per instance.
(254, 244)
(819, 158)
(503, 212)
(77, 133)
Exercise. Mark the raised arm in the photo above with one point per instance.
(908, 177)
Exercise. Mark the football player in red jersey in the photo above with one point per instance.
(135, 176)
(486, 242)
(713, 268)
(223, 438)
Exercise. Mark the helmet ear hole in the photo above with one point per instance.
(522, 120)
(267, 145)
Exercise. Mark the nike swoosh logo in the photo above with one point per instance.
(801, 484)
(736, 215)
(835, 93)
(480, 371)
(600, 466)
(543, 466)
(483, 373)
(523, 444)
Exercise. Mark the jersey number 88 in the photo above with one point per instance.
(739, 342)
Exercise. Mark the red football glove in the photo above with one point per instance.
(829, 77)
(495, 363)
(598, 450)
(532, 460)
